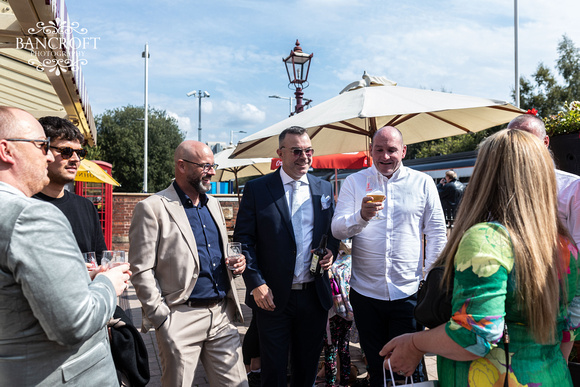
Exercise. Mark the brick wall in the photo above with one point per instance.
(124, 204)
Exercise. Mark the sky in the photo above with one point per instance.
(233, 49)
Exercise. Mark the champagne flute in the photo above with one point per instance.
(375, 190)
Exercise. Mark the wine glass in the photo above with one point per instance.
(375, 190)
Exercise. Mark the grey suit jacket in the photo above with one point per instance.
(52, 317)
(163, 255)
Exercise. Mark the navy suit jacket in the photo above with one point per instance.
(264, 228)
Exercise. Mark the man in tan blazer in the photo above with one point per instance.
(178, 242)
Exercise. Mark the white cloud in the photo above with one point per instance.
(184, 123)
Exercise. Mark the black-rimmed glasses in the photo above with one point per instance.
(66, 152)
(297, 152)
(206, 167)
(44, 144)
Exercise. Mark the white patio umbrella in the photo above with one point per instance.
(347, 122)
(229, 169)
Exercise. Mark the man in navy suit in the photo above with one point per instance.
(281, 219)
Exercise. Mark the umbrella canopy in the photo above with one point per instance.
(229, 169)
(90, 172)
(347, 122)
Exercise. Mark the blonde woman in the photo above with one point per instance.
(510, 261)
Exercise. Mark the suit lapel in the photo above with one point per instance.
(177, 212)
(276, 189)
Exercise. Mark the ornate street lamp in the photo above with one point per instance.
(297, 68)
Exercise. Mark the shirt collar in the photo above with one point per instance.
(398, 173)
(185, 200)
(286, 179)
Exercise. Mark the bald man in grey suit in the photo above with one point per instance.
(52, 316)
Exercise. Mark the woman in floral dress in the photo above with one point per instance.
(511, 262)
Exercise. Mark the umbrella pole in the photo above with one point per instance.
(237, 186)
(335, 184)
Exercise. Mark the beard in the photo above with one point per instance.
(198, 186)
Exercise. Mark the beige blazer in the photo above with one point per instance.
(163, 255)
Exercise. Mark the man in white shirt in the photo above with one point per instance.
(387, 252)
(568, 183)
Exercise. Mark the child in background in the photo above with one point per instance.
(336, 342)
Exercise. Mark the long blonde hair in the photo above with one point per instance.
(514, 183)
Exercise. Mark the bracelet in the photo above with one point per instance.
(413, 343)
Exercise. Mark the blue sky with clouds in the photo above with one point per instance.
(234, 50)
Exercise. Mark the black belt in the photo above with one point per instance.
(302, 286)
(205, 303)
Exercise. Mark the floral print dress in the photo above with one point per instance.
(484, 299)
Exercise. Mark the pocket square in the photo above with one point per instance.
(325, 201)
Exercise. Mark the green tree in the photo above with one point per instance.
(121, 139)
(545, 94)
(448, 145)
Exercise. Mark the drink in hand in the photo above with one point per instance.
(377, 197)
(234, 254)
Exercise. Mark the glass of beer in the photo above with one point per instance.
(375, 190)
(234, 254)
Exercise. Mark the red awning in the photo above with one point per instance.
(339, 161)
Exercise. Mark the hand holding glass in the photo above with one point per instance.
(233, 255)
(112, 258)
(91, 260)
(375, 190)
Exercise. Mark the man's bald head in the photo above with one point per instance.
(191, 150)
(389, 131)
(24, 154)
(530, 124)
(7, 122)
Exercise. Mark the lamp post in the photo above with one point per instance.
(145, 55)
(297, 68)
(290, 99)
(232, 135)
(199, 95)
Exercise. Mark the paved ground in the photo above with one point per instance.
(132, 306)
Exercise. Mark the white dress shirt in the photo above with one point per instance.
(305, 200)
(387, 252)
(569, 202)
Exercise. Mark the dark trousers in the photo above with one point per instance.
(300, 328)
(251, 344)
(378, 322)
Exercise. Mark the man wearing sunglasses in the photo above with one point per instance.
(53, 319)
(65, 146)
(281, 219)
(178, 240)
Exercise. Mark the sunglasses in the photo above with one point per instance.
(44, 144)
(67, 152)
(206, 167)
(308, 152)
